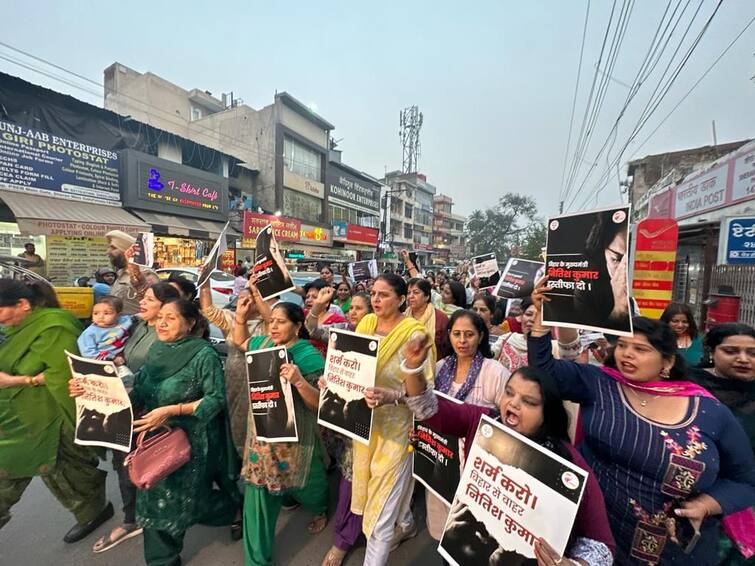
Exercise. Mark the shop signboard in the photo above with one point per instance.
(303, 184)
(285, 229)
(661, 204)
(315, 235)
(355, 234)
(743, 184)
(654, 262)
(227, 261)
(158, 185)
(702, 192)
(738, 246)
(37, 162)
(349, 190)
(71, 257)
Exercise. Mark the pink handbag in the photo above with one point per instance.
(740, 528)
(156, 458)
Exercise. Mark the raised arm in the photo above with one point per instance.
(324, 297)
(410, 267)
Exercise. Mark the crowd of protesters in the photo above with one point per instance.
(663, 421)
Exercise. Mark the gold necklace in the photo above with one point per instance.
(643, 402)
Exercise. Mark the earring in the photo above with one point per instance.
(665, 373)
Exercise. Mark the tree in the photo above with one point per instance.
(509, 226)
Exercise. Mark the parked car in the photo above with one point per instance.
(221, 283)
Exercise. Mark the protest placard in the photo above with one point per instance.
(144, 249)
(211, 263)
(512, 492)
(350, 367)
(518, 278)
(437, 463)
(103, 413)
(270, 397)
(586, 264)
(363, 270)
(485, 268)
(270, 267)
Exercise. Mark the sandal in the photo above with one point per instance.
(318, 524)
(334, 557)
(108, 542)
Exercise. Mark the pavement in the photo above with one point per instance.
(34, 537)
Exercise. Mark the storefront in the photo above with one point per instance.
(61, 195)
(709, 205)
(359, 241)
(187, 208)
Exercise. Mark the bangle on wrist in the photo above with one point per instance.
(29, 382)
(412, 371)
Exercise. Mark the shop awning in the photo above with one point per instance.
(184, 226)
(50, 216)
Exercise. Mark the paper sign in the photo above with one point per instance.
(270, 397)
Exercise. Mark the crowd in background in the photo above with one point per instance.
(663, 421)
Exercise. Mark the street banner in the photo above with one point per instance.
(586, 263)
(144, 249)
(270, 397)
(270, 267)
(512, 492)
(350, 367)
(363, 270)
(654, 265)
(436, 463)
(485, 268)
(103, 413)
(518, 278)
(211, 263)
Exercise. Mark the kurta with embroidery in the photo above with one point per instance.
(282, 466)
(643, 466)
(31, 417)
(186, 497)
(376, 465)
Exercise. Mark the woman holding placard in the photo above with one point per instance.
(530, 405)
(296, 469)
(383, 469)
(670, 458)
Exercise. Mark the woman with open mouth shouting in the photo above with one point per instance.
(669, 456)
(531, 406)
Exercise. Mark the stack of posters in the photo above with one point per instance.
(512, 492)
(270, 397)
(350, 367)
(103, 413)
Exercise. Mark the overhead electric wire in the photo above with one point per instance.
(169, 117)
(652, 105)
(574, 99)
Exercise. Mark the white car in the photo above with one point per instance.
(221, 283)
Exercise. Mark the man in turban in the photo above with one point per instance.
(132, 280)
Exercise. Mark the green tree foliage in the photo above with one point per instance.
(510, 228)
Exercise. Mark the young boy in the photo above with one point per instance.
(106, 336)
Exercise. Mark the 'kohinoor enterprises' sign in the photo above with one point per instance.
(349, 190)
(34, 161)
(155, 184)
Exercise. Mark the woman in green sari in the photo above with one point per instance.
(295, 469)
(37, 417)
(181, 384)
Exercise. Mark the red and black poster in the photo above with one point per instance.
(437, 463)
(512, 492)
(586, 263)
(518, 278)
(270, 267)
(270, 397)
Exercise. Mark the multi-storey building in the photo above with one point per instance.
(449, 240)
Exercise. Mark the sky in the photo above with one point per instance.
(495, 80)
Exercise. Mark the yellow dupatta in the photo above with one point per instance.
(428, 321)
(376, 465)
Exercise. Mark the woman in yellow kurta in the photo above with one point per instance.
(383, 470)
